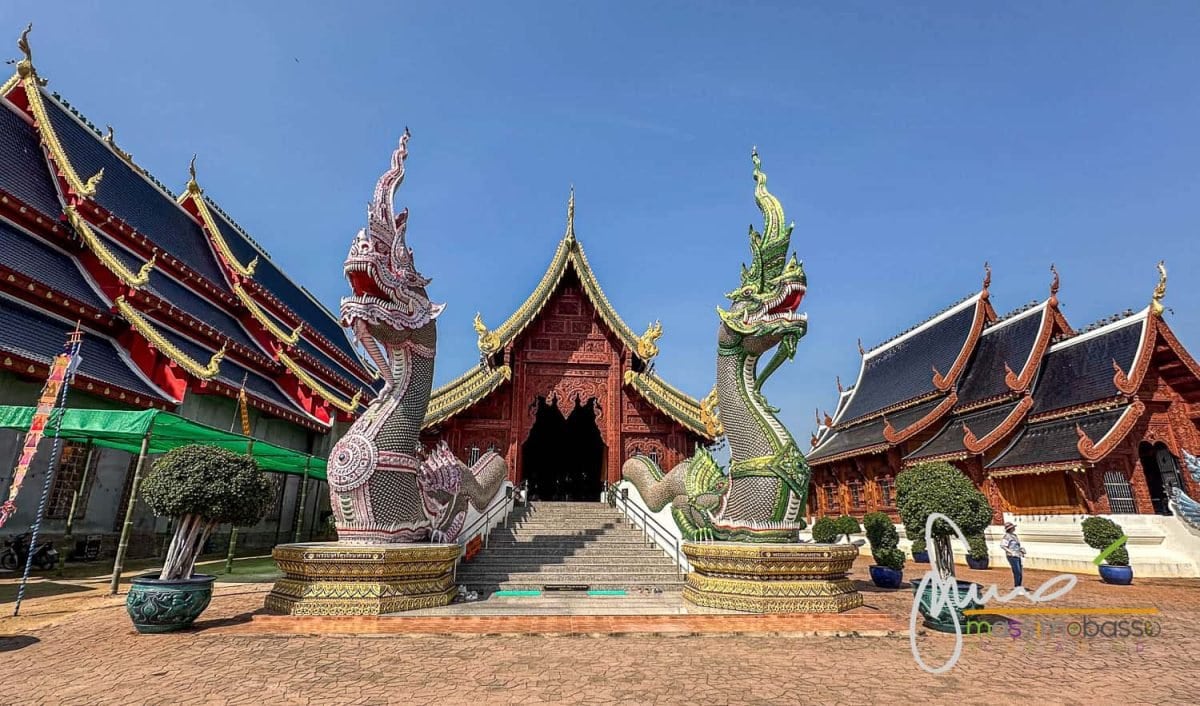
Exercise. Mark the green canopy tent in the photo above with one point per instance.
(145, 432)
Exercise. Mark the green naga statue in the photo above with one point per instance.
(762, 496)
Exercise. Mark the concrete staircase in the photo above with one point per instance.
(550, 544)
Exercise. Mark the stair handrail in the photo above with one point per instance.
(502, 503)
(619, 499)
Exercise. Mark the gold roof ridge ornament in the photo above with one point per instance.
(646, 348)
(96, 244)
(25, 68)
(214, 231)
(320, 390)
(259, 315)
(489, 341)
(183, 360)
(569, 234)
(1160, 290)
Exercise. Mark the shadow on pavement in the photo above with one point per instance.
(39, 589)
(10, 643)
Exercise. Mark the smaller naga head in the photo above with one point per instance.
(388, 291)
(763, 311)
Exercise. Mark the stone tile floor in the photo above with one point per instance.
(78, 648)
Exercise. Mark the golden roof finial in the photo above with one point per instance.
(489, 341)
(646, 349)
(1054, 282)
(570, 234)
(193, 186)
(25, 66)
(987, 276)
(1160, 290)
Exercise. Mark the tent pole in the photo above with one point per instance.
(303, 499)
(127, 528)
(233, 530)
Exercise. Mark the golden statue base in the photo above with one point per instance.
(771, 578)
(330, 578)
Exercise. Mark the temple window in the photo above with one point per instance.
(887, 491)
(1120, 494)
(473, 455)
(653, 456)
(831, 498)
(69, 479)
(856, 494)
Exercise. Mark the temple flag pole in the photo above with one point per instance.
(68, 535)
(240, 413)
(127, 527)
(61, 371)
(303, 499)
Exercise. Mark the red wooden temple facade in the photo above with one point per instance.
(566, 352)
(1046, 420)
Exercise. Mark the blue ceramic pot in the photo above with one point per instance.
(977, 563)
(886, 577)
(156, 605)
(921, 557)
(1118, 575)
(944, 619)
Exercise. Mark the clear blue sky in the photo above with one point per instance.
(909, 145)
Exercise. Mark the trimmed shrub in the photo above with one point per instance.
(918, 545)
(884, 539)
(1100, 533)
(847, 525)
(202, 487)
(940, 487)
(977, 547)
(825, 531)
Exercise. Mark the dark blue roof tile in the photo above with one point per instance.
(903, 370)
(56, 269)
(24, 172)
(869, 433)
(1080, 370)
(950, 439)
(1055, 441)
(33, 334)
(1007, 342)
(127, 195)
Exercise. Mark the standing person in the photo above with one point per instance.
(1014, 551)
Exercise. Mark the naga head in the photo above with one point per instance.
(389, 292)
(763, 311)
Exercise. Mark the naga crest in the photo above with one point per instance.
(773, 285)
(388, 289)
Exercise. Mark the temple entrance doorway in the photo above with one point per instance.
(563, 458)
(1162, 474)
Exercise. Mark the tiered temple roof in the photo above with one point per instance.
(1035, 396)
(173, 295)
(476, 384)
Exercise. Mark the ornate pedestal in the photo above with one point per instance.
(328, 578)
(771, 578)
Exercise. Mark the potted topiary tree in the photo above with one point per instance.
(888, 570)
(920, 553)
(977, 552)
(929, 488)
(847, 525)
(200, 487)
(1101, 533)
(825, 531)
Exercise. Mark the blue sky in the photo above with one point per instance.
(909, 144)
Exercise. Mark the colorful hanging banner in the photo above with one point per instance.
(53, 394)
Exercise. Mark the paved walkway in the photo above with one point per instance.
(87, 653)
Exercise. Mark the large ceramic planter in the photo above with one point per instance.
(944, 620)
(977, 563)
(886, 577)
(921, 557)
(1118, 575)
(156, 605)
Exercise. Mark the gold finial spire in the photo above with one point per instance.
(987, 276)
(1054, 282)
(193, 186)
(1160, 290)
(646, 348)
(570, 234)
(25, 65)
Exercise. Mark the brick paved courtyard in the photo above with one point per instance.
(79, 648)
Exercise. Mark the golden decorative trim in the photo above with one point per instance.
(669, 400)
(210, 224)
(464, 391)
(147, 330)
(1062, 466)
(110, 139)
(10, 84)
(708, 415)
(646, 348)
(96, 244)
(489, 342)
(49, 138)
(1160, 290)
(323, 392)
(771, 578)
(267, 322)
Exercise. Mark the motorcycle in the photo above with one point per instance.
(16, 550)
